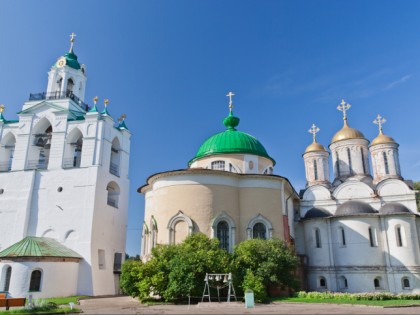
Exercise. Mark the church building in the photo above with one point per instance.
(359, 232)
(229, 191)
(63, 191)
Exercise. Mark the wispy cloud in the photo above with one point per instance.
(398, 82)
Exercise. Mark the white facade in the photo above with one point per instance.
(361, 233)
(64, 175)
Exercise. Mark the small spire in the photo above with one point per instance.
(105, 111)
(379, 121)
(94, 109)
(2, 109)
(344, 107)
(314, 130)
(121, 122)
(72, 36)
(230, 94)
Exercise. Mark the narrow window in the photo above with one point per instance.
(350, 164)
(377, 283)
(405, 283)
(398, 236)
(35, 284)
(7, 281)
(223, 234)
(343, 282)
(317, 238)
(315, 170)
(101, 259)
(259, 231)
(342, 236)
(117, 262)
(218, 165)
(372, 237)
(322, 282)
(386, 163)
(337, 163)
(363, 161)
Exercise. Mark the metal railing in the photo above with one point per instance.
(114, 169)
(5, 166)
(37, 164)
(58, 96)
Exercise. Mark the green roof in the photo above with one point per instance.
(71, 60)
(231, 141)
(32, 246)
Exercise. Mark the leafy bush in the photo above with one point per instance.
(255, 283)
(130, 277)
(370, 296)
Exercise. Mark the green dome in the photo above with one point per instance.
(231, 141)
(71, 60)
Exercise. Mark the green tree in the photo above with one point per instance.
(130, 277)
(270, 262)
(417, 188)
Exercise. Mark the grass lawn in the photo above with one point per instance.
(350, 301)
(65, 300)
(65, 310)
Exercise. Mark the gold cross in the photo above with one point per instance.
(379, 121)
(230, 94)
(2, 108)
(95, 99)
(344, 107)
(106, 101)
(123, 116)
(314, 130)
(72, 36)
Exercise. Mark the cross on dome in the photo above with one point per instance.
(230, 94)
(2, 108)
(379, 121)
(106, 101)
(314, 130)
(72, 36)
(344, 107)
(122, 118)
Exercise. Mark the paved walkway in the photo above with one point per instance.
(128, 305)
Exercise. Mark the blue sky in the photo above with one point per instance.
(169, 64)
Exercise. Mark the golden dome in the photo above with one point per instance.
(347, 133)
(315, 146)
(382, 139)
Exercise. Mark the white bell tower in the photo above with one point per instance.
(67, 78)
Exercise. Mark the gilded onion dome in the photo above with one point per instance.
(381, 138)
(346, 132)
(314, 146)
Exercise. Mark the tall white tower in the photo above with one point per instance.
(349, 149)
(384, 153)
(64, 176)
(316, 162)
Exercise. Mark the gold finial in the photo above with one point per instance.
(379, 121)
(106, 101)
(314, 130)
(230, 94)
(122, 118)
(95, 99)
(344, 107)
(72, 36)
(2, 108)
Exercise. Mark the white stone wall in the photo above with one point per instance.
(380, 170)
(322, 165)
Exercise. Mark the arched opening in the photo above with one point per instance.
(268, 171)
(405, 283)
(377, 283)
(59, 86)
(260, 227)
(337, 164)
(39, 153)
(7, 150)
(6, 276)
(218, 165)
(154, 232)
(343, 283)
(114, 166)
(74, 149)
(317, 238)
(259, 230)
(145, 240)
(315, 170)
(350, 162)
(385, 163)
(400, 236)
(372, 237)
(223, 235)
(322, 282)
(35, 283)
(113, 194)
(70, 87)
(342, 236)
(179, 226)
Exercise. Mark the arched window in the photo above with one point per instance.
(350, 163)
(223, 234)
(154, 232)
(73, 150)
(322, 283)
(114, 166)
(399, 236)
(343, 283)
(70, 86)
(315, 170)
(218, 165)
(372, 237)
(385, 163)
(268, 171)
(363, 161)
(317, 238)
(113, 194)
(39, 153)
(179, 226)
(377, 283)
(7, 149)
(259, 231)
(405, 283)
(337, 164)
(35, 284)
(7, 277)
(342, 236)
(145, 240)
